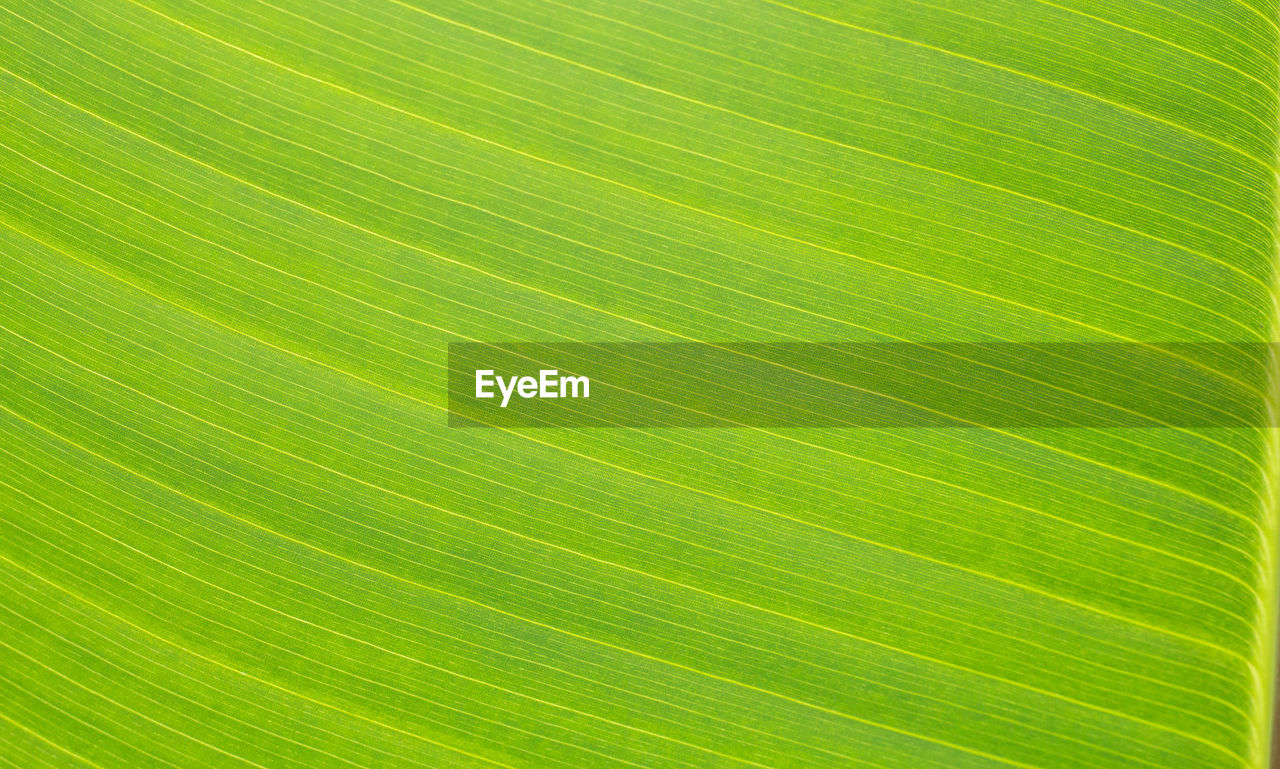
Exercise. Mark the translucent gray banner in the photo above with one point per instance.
(895, 384)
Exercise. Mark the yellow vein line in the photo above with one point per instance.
(1029, 76)
(1228, 317)
(245, 674)
(1271, 89)
(359, 640)
(959, 177)
(165, 689)
(46, 740)
(414, 607)
(511, 615)
(134, 711)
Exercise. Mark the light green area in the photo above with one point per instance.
(236, 237)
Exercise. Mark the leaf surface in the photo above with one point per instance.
(236, 239)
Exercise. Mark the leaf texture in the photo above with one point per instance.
(236, 239)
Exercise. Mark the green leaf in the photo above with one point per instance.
(238, 236)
